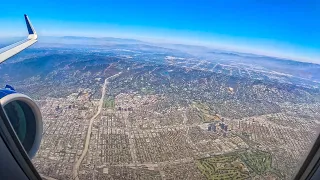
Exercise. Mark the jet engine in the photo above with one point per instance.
(25, 118)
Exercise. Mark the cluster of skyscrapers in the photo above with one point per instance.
(222, 125)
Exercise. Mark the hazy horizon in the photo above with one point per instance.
(8, 40)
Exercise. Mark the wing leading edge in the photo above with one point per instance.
(13, 49)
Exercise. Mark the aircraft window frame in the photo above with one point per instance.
(311, 163)
(11, 140)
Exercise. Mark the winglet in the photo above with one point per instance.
(31, 31)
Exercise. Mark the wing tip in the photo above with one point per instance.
(11, 50)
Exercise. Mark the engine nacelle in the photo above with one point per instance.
(25, 118)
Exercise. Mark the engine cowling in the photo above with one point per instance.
(25, 118)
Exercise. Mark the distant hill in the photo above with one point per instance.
(7, 41)
(111, 39)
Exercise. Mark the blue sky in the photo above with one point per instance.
(287, 28)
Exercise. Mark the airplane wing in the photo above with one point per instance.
(13, 49)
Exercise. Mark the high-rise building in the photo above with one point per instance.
(222, 125)
(213, 128)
